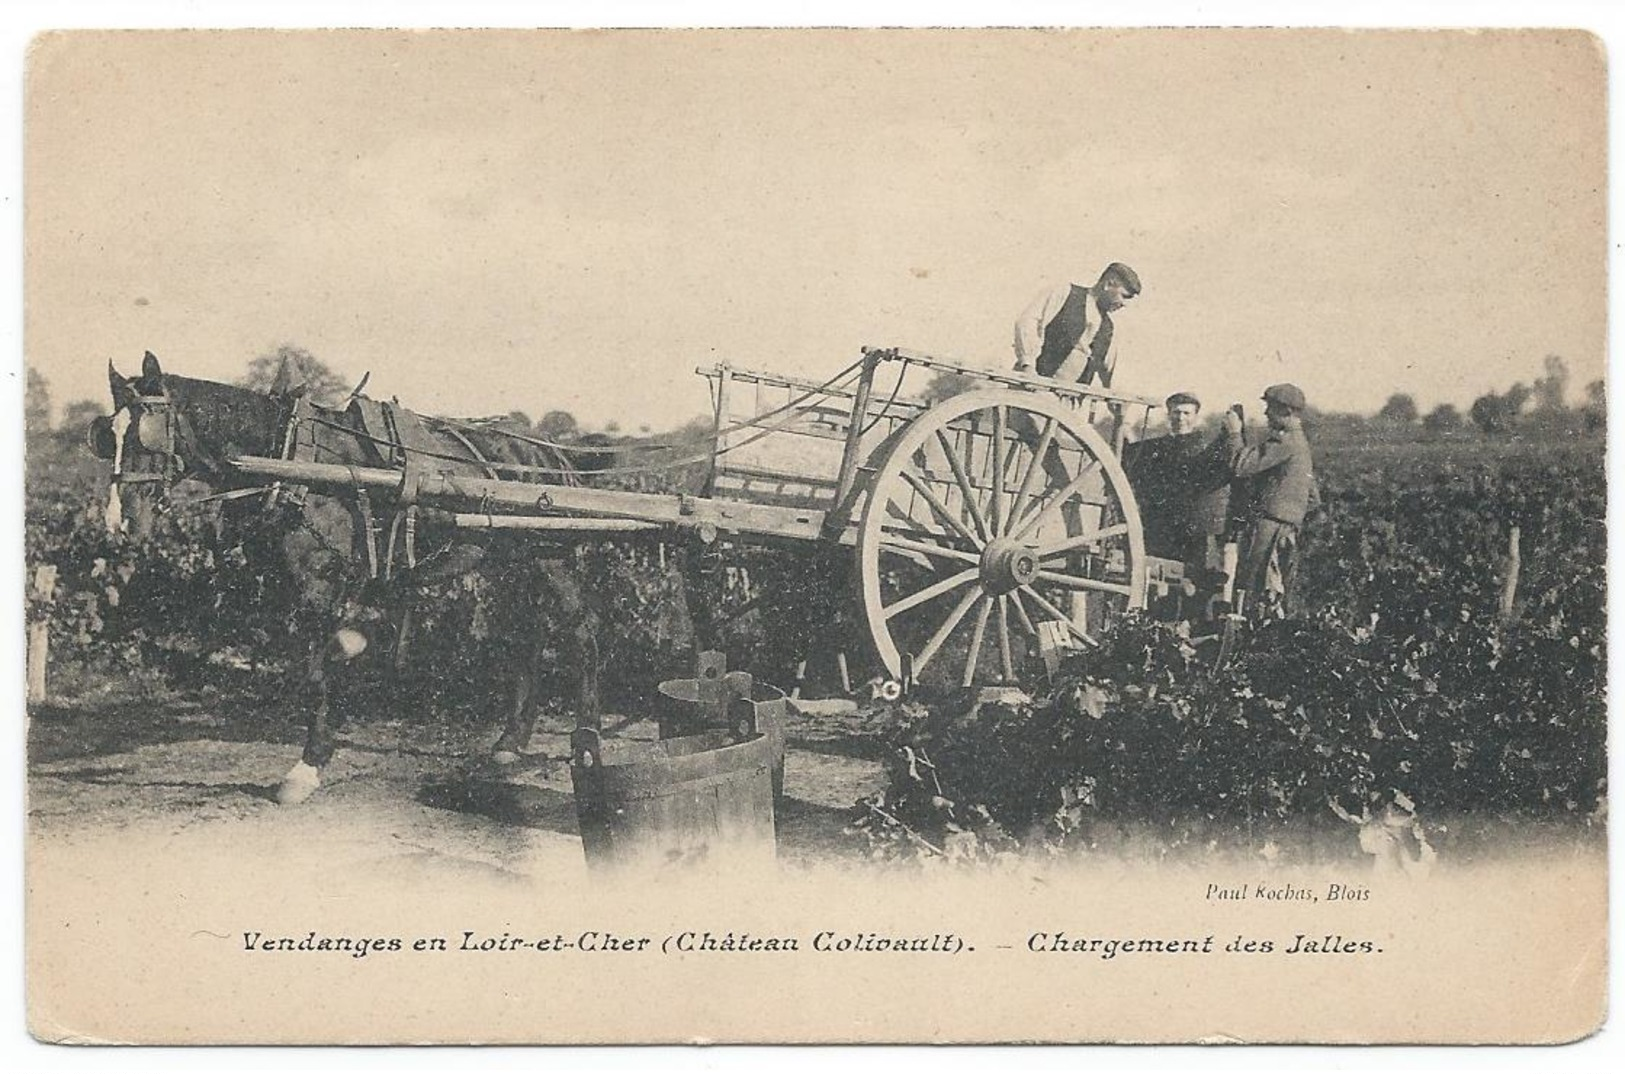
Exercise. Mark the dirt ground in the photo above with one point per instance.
(198, 765)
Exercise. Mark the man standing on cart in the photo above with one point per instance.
(1067, 335)
(1066, 332)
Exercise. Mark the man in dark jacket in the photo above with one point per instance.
(1281, 473)
(1182, 483)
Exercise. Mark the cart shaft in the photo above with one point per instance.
(474, 495)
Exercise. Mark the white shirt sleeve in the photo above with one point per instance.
(1030, 325)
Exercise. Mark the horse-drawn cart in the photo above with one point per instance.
(983, 528)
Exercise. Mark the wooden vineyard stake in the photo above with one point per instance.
(1509, 576)
(39, 633)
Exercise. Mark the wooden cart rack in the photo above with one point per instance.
(986, 526)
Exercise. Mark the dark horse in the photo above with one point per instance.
(354, 560)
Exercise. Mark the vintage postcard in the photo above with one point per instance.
(816, 536)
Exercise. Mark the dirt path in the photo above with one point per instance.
(405, 796)
(202, 768)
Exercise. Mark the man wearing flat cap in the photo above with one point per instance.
(1281, 473)
(1066, 332)
(1182, 484)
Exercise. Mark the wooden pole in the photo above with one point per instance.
(1509, 576)
(846, 478)
(560, 501)
(468, 520)
(719, 437)
(39, 634)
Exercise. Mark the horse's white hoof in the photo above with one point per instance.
(504, 758)
(299, 784)
(348, 643)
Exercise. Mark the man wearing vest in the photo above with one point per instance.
(1066, 333)
(1283, 491)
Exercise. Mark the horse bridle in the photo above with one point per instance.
(159, 430)
(164, 430)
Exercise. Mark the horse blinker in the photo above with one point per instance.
(101, 439)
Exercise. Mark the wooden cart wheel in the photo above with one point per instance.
(998, 524)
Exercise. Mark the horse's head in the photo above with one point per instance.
(166, 429)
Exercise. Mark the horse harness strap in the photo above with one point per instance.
(367, 525)
(377, 430)
(417, 444)
(403, 442)
(298, 445)
(473, 452)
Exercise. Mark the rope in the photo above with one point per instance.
(513, 467)
(766, 430)
(839, 380)
(793, 404)
(823, 389)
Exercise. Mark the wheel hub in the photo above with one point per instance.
(1008, 565)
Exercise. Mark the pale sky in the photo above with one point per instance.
(496, 221)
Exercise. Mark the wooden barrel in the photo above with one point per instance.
(682, 711)
(696, 800)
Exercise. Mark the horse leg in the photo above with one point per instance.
(579, 608)
(340, 651)
(403, 637)
(565, 594)
(516, 731)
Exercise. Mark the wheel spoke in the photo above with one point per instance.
(976, 641)
(1073, 581)
(1072, 544)
(907, 544)
(943, 513)
(1045, 439)
(931, 592)
(1021, 613)
(1004, 638)
(916, 527)
(1076, 485)
(1058, 614)
(944, 630)
(965, 488)
(932, 539)
(996, 508)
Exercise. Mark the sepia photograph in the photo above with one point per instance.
(815, 536)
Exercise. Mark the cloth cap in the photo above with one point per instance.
(1183, 399)
(1285, 394)
(1126, 274)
